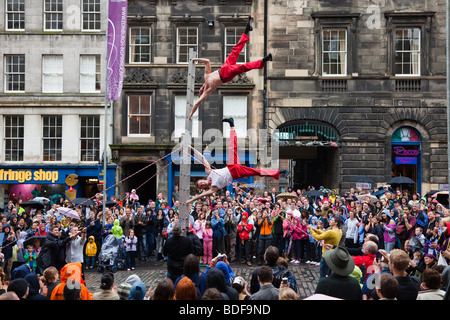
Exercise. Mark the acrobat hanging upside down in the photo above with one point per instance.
(228, 70)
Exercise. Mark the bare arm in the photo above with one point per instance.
(204, 161)
(206, 62)
(206, 193)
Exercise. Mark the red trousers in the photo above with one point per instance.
(230, 69)
(239, 171)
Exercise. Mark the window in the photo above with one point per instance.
(139, 115)
(90, 14)
(407, 51)
(15, 15)
(52, 74)
(232, 36)
(180, 118)
(139, 45)
(235, 107)
(335, 49)
(334, 52)
(53, 15)
(52, 138)
(90, 138)
(15, 73)
(14, 129)
(90, 74)
(187, 37)
(409, 47)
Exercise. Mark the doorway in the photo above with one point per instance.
(406, 155)
(146, 189)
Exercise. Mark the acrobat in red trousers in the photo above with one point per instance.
(239, 171)
(230, 69)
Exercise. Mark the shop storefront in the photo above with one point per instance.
(68, 181)
(406, 155)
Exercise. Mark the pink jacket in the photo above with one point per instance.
(299, 231)
(207, 234)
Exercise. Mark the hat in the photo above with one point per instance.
(19, 286)
(429, 255)
(339, 261)
(239, 280)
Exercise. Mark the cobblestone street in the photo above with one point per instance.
(151, 272)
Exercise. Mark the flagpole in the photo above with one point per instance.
(105, 138)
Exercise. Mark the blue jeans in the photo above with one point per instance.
(90, 262)
(324, 270)
(150, 242)
(278, 241)
(264, 242)
(142, 248)
(389, 246)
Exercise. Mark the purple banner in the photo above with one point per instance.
(117, 35)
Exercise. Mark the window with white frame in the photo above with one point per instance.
(52, 138)
(407, 52)
(90, 74)
(15, 15)
(180, 118)
(235, 107)
(139, 115)
(53, 15)
(232, 36)
(15, 73)
(90, 138)
(139, 48)
(334, 52)
(90, 15)
(14, 137)
(52, 73)
(187, 37)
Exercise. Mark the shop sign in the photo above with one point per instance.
(405, 160)
(28, 176)
(401, 151)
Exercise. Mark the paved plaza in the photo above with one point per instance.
(151, 272)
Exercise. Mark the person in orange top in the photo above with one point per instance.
(69, 273)
(265, 234)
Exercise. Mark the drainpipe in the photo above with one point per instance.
(265, 68)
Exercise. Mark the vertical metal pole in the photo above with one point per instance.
(186, 139)
(105, 138)
(448, 88)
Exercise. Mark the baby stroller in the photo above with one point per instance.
(109, 254)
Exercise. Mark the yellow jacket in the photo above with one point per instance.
(91, 247)
(331, 236)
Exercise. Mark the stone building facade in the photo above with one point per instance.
(356, 89)
(52, 97)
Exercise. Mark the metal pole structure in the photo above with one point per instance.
(186, 139)
(105, 138)
(448, 88)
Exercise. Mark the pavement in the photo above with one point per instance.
(152, 272)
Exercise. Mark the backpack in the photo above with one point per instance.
(400, 231)
(281, 273)
(197, 284)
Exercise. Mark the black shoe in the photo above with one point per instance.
(248, 27)
(267, 58)
(230, 121)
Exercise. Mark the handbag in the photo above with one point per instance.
(442, 261)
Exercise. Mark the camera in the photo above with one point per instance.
(220, 257)
(284, 281)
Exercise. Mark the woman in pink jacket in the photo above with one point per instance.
(299, 239)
